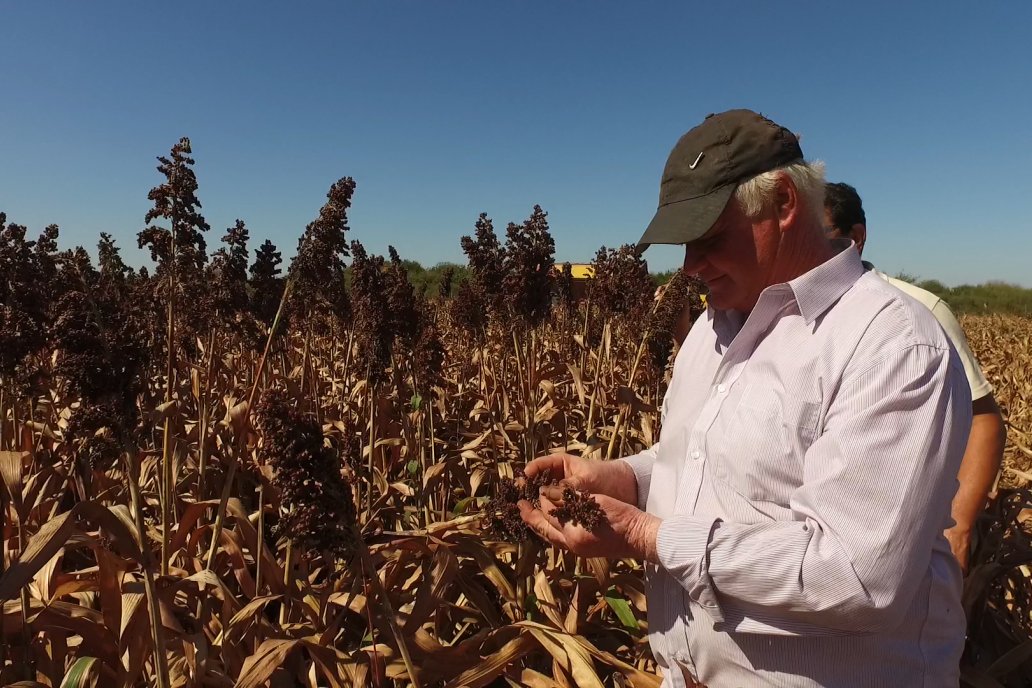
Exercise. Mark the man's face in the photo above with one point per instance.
(735, 258)
(830, 230)
(833, 232)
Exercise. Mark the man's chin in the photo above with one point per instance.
(716, 296)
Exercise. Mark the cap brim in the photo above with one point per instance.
(684, 221)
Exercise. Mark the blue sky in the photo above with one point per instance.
(442, 110)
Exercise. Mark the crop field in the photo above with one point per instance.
(224, 471)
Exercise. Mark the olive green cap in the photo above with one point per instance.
(707, 165)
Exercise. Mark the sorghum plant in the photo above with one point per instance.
(469, 308)
(320, 511)
(24, 290)
(401, 302)
(372, 322)
(528, 261)
(109, 260)
(102, 354)
(319, 296)
(181, 247)
(680, 304)
(486, 260)
(265, 282)
(622, 284)
(227, 273)
(564, 288)
(444, 289)
(412, 321)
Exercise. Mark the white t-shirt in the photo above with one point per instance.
(980, 387)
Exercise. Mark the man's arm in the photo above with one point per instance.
(977, 474)
(985, 445)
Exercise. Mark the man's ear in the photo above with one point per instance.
(858, 233)
(786, 202)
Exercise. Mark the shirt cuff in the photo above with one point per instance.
(682, 548)
(641, 464)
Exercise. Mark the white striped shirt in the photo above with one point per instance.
(804, 476)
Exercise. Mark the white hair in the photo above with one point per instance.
(756, 194)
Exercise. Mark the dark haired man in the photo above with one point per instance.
(845, 219)
(791, 514)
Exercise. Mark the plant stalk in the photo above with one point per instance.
(146, 564)
(238, 443)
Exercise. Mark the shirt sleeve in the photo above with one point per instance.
(642, 464)
(875, 497)
(980, 387)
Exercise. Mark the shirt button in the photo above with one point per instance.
(696, 454)
(722, 388)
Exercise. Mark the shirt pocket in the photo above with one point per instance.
(761, 448)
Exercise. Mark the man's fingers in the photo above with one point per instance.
(540, 523)
(547, 507)
(553, 493)
(544, 463)
(540, 465)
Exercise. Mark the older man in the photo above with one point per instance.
(845, 219)
(791, 516)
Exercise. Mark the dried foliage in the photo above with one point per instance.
(998, 589)
(391, 434)
(1002, 343)
(998, 595)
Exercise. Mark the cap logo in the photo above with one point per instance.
(696, 163)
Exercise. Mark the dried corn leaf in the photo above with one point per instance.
(269, 657)
(11, 473)
(546, 601)
(433, 588)
(493, 666)
(489, 565)
(52, 536)
(567, 652)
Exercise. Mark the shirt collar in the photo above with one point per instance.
(815, 291)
